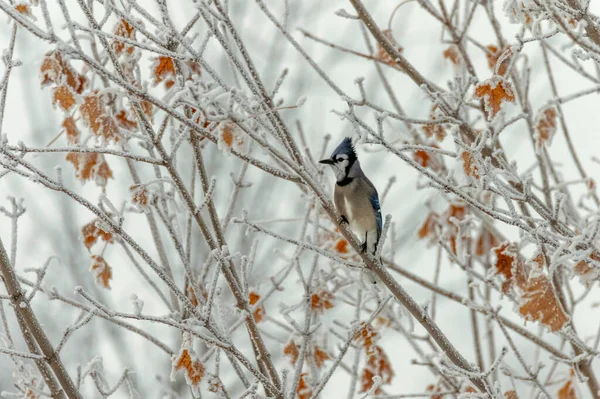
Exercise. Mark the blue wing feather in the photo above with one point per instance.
(375, 204)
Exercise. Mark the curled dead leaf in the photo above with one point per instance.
(101, 270)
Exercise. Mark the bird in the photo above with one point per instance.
(355, 197)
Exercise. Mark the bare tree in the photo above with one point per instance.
(206, 207)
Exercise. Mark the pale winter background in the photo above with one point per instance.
(193, 336)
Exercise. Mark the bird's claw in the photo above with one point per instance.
(343, 220)
(363, 247)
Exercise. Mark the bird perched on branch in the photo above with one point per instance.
(355, 197)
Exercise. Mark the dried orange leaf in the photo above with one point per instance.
(493, 55)
(164, 70)
(192, 368)
(101, 270)
(229, 137)
(259, 312)
(451, 54)
(378, 364)
(434, 388)
(291, 350)
(469, 165)
(71, 130)
(545, 127)
(321, 300)
(511, 395)
(56, 70)
(494, 93)
(64, 96)
(485, 242)
(427, 229)
(382, 55)
(23, 8)
(435, 130)
(586, 273)
(505, 260)
(422, 158)
(304, 390)
(342, 246)
(366, 337)
(90, 234)
(320, 356)
(126, 30)
(139, 194)
(539, 303)
(124, 121)
(567, 391)
(93, 112)
(456, 211)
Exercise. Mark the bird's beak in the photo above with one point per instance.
(326, 161)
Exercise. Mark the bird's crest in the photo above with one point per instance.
(345, 147)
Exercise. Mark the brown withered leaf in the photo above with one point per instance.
(148, 109)
(511, 394)
(259, 312)
(139, 194)
(321, 300)
(71, 130)
(64, 97)
(192, 368)
(567, 391)
(493, 55)
(452, 55)
(545, 127)
(377, 364)
(24, 8)
(422, 158)
(84, 163)
(91, 233)
(427, 229)
(94, 114)
(505, 260)
(101, 270)
(456, 210)
(320, 356)
(56, 70)
(123, 120)
(435, 130)
(494, 93)
(539, 303)
(191, 294)
(103, 173)
(291, 350)
(485, 242)
(382, 55)
(126, 30)
(366, 337)
(469, 165)
(586, 273)
(434, 388)
(90, 165)
(164, 70)
(341, 246)
(304, 391)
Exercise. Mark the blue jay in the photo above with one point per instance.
(355, 197)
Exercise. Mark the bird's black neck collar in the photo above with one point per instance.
(345, 181)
